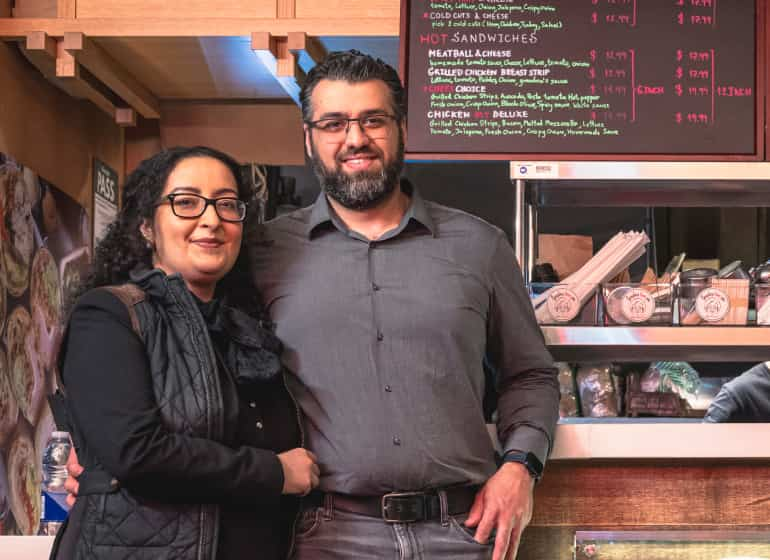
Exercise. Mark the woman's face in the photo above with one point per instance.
(201, 249)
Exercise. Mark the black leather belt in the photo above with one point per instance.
(399, 507)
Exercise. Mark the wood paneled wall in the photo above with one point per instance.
(259, 132)
(35, 8)
(5, 8)
(306, 9)
(175, 8)
(348, 8)
(142, 141)
(51, 132)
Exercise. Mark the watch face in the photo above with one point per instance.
(534, 465)
(529, 460)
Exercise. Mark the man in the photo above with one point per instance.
(387, 305)
(743, 399)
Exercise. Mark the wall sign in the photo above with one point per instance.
(105, 185)
(582, 77)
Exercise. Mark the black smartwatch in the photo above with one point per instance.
(529, 460)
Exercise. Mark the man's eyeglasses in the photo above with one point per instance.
(187, 205)
(336, 128)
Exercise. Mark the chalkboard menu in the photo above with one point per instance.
(657, 78)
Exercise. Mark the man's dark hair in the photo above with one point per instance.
(353, 66)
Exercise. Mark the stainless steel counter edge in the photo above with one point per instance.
(661, 441)
(718, 343)
(655, 170)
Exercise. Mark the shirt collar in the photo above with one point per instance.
(323, 214)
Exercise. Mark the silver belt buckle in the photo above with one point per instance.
(403, 507)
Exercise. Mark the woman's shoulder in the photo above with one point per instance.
(102, 303)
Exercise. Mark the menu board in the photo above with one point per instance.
(615, 77)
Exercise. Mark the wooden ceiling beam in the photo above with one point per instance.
(43, 51)
(286, 61)
(40, 50)
(300, 42)
(108, 71)
(66, 65)
(274, 53)
(40, 41)
(17, 28)
(125, 116)
(46, 54)
(264, 41)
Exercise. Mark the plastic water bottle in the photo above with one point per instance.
(54, 509)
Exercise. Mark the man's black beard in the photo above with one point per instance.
(362, 190)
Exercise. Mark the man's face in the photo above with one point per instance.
(361, 167)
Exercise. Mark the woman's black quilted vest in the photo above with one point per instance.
(113, 524)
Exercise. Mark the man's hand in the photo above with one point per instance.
(71, 485)
(505, 503)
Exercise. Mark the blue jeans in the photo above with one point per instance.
(323, 533)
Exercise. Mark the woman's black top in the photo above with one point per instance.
(265, 416)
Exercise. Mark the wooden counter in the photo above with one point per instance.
(630, 476)
(623, 475)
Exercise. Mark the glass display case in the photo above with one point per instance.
(601, 184)
(672, 545)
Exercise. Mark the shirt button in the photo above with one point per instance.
(388, 389)
(252, 404)
(396, 440)
(380, 336)
(260, 425)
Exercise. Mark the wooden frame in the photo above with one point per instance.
(44, 52)
(275, 55)
(107, 70)
(765, 14)
(51, 58)
(16, 28)
(299, 42)
(762, 109)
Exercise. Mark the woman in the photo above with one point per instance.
(174, 389)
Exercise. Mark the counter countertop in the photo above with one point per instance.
(25, 548)
(655, 439)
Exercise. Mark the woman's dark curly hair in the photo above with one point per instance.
(124, 249)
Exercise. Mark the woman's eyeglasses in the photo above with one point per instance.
(187, 205)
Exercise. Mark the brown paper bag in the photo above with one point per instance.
(566, 253)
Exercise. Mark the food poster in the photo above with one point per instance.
(44, 253)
